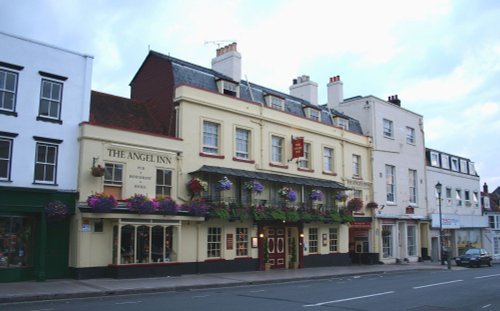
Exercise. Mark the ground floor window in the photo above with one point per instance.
(496, 245)
(214, 242)
(333, 238)
(412, 240)
(387, 246)
(241, 241)
(16, 241)
(313, 240)
(144, 244)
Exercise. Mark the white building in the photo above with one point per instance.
(398, 170)
(44, 95)
(461, 217)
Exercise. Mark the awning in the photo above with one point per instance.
(286, 179)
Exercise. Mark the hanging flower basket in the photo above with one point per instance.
(341, 196)
(100, 202)
(224, 184)
(254, 186)
(141, 204)
(56, 210)
(316, 195)
(355, 204)
(287, 194)
(196, 185)
(97, 171)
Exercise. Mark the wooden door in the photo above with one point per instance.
(276, 247)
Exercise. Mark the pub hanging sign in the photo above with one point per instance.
(297, 147)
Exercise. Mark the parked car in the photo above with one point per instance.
(474, 257)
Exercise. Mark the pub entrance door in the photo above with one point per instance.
(276, 247)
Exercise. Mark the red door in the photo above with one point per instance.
(276, 247)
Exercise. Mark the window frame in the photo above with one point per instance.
(46, 164)
(387, 241)
(164, 185)
(207, 146)
(458, 197)
(4, 90)
(454, 164)
(277, 150)
(8, 159)
(305, 161)
(242, 154)
(275, 102)
(330, 158)
(242, 242)
(472, 169)
(388, 128)
(412, 187)
(463, 166)
(342, 123)
(214, 242)
(57, 102)
(410, 135)
(390, 182)
(333, 239)
(313, 233)
(434, 159)
(356, 165)
(411, 240)
(313, 114)
(445, 161)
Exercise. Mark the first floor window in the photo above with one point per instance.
(210, 137)
(163, 182)
(113, 179)
(143, 244)
(390, 181)
(313, 240)
(412, 182)
(458, 196)
(328, 160)
(387, 247)
(214, 242)
(46, 163)
(241, 241)
(356, 165)
(412, 240)
(242, 143)
(16, 241)
(333, 238)
(410, 135)
(388, 128)
(5, 158)
(305, 161)
(277, 149)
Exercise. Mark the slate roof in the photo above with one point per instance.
(119, 112)
(205, 78)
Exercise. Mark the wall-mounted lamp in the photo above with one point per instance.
(261, 235)
(302, 235)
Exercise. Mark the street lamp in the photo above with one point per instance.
(439, 188)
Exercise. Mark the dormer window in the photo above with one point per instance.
(313, 114)
(341, 122)
(275, 102)
(228, 88)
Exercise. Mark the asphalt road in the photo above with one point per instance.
(460, 289)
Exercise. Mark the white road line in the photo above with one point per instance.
(436, 284)
(201, 296)
(347, 299)
(257, 291)
(127, 302)
(42, 309)
(487, 306)
(486, 276)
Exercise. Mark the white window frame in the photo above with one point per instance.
(388, 128)
(328, 160)
(390, 182)
(4, 91)
(356, 165)
(305, 161)
(467, 198)
(113, 174)
(163, 185)
(277, 149)
(313, 114)
(475, 199)
(410, 135)
(53, 102)
(242, 242)
(242, 143)
(333, 239)
(7, 159)
(313, 240)
(434, 159)
(214, 242)
(387, 241)
(454, 164)
(275, 102)
(412, 182)
(211, 137)
(449, 199)
(411, 240)
(228, 88)
(458, 197)
(342, 123)
(46, 163)
(445, 161)
(463, 166)
(472, 169)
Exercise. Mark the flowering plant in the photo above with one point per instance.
(196, 185)
(142, 204)
(287, 194)
(254, 185)
(97, 171)
(372, 205)
(316, 195)
(101, 202)
(195, 208)
(355, 204)
(224, 184)
(167, 205)
(56, 210)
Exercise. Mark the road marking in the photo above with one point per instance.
(201, 296)
(42, 309)
(486, 276)
(487, 306)
(127, 302)
(347, 299)
(436, 284)
(257, 291)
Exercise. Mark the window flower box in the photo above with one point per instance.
(100, 202)
(142, 204)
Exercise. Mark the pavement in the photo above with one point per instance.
(70, 288)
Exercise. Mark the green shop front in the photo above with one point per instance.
(34, 233)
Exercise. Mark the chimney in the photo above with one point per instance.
(335, 92)
(485, 189)
(305, 89)
(394, 100)
(228, 62)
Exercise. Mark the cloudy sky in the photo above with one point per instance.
(441, 57)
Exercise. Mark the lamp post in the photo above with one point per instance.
(439, 188)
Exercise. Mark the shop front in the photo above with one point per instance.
(34, 244)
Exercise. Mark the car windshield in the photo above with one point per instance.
(473, 251)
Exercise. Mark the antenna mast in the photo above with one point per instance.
(219, 42)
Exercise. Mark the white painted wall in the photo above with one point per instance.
(34, 57)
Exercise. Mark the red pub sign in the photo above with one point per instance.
(297, 147)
